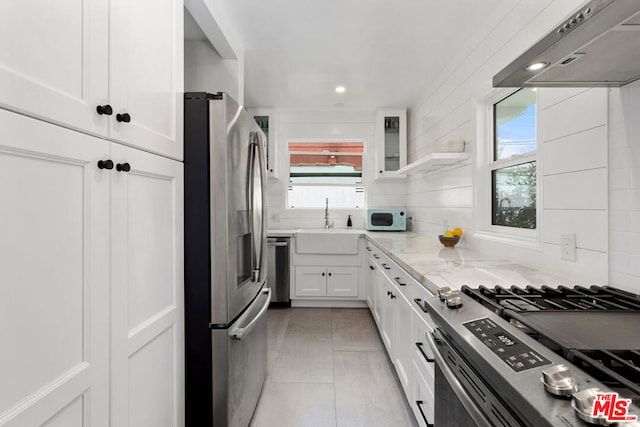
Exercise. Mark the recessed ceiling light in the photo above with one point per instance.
(340, 89)
(537, 66)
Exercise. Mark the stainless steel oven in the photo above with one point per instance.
(492, 371)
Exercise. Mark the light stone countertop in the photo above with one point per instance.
(435, 266)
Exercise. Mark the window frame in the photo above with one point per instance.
(362, 184)
(485, 165)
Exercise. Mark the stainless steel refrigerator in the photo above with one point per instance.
(226, 296)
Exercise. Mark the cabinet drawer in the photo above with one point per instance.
(422, 354)
(421, 399)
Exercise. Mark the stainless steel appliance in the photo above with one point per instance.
(533, 357)
(226, 298)
(279, 278)
(597, 45)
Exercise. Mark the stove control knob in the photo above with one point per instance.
(453, 299)
(582, 403)
(558, 381)
(443, 292)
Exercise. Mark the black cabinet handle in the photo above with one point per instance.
(105, 164)
(329, 274)
(420, 403)
(322, 274)
(376, 256)
(123, 117)
(427, 358)
(104, 109)
(371, 267)
(388, 293)
(385, 266)
(123, 167)
(399, 282)
(368, 248)
(393, 296)
(421, 304)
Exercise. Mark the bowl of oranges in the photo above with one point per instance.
(450, 237)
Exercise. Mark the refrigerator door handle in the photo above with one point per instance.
(239, 333)
(260, 260)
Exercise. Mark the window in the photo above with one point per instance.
(513, 166)
(325, 170)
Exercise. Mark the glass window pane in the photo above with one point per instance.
(515, 124)
(514, 196)
(314, 196)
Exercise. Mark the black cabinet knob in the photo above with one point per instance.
(329, 274)
(388, 293)
(392, 296)
(104, 109)
(322, 274)
(125, 117)
(123, 167)
(105, 164)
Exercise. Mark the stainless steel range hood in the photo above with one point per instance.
(597, 46)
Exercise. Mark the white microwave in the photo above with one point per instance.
(387, 219)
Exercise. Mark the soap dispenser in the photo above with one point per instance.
(349, 224)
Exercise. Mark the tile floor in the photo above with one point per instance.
(328, 367)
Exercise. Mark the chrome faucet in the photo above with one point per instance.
(326, 214)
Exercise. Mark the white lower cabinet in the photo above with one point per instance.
(421, 398)
(313, 281)
(402, 340)
(390, 292)
(147, 337)
(91, 279)
(54, 276)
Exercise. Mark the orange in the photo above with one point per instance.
(457, 231)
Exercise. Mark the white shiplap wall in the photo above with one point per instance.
(624, 187)
(324, 125)
(574, 196)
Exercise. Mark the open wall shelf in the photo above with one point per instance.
(432, 162)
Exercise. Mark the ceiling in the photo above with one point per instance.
(385, 53)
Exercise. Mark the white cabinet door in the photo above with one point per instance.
(391, 143)
(311, 281)
(402, 339)
(147, 337)
(388, 317)
(146, 69)
(370, 284)
(54, 274)
(342, 281)
(54, 60)
(379, 296)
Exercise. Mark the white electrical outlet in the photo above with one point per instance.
(568, 246)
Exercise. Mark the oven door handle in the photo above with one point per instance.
(456, 386)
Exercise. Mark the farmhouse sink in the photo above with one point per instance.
(330, 241)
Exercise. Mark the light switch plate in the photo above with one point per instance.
(568, 246)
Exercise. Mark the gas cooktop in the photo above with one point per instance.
(577, 342)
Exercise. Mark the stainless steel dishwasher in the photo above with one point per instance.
(278, 276)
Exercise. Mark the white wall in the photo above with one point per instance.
(206, 71)
(624, 187)
(573, 153)
(327, 125)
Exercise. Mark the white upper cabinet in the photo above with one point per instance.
(268, 122)
(146, 74)
(54, 61)
(391, 143)
(112, 69)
